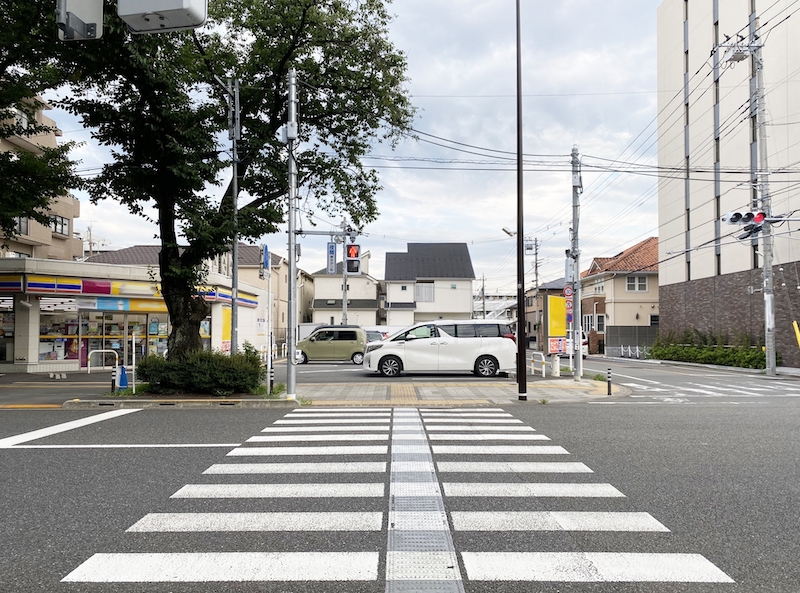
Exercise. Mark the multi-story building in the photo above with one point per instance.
(55, 240)
(710, 156)
(430, 281)
(362, 296)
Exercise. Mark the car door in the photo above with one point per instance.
(458, 347)
(421, 349)
(346, 342)
(321, 345)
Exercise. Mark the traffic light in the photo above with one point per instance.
(753, 221)
(352, 259)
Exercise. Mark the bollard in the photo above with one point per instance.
(113, 379)
(608, 381)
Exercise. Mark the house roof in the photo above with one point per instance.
(147, 255)
(642, 257)
(430, 260)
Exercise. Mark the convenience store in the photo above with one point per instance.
(57, 316)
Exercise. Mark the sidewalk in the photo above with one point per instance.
(41, 391)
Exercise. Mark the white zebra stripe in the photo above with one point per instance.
(554, 521)
(228, 522)
(518, 489)
(351, 467)
(369, 490)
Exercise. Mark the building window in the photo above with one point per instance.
(404, 287)
(653, 320)
(452, 287)
(22, 119)
(59, 224)
(599, 287)
(588, 323)
(636, 283)
(601, 323)
(22, 225)
(424, 292)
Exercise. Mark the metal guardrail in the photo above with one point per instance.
(543, 363)
(89, 360)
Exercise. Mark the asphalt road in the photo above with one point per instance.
(720, 480)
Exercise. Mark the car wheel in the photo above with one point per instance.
(303, 358)
(390, 366)
(357, 358)
(486, 366)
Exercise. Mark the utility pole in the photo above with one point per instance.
(344, 275)
(577, 340)
(536, 292)
(483, 293)
(291, 339)
(522, 355)
(234, 135)
(737, 52)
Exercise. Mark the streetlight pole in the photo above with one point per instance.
(291, 339)
(522, 368)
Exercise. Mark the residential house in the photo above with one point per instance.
(539, 314)
(619, 299)
(362, 296)
(708, 145)
(429, 281)
(279, 287)
(53, 241)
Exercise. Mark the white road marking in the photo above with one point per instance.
(132, 446)
(591, 567)
(554, 521)
(228, 522)
(354, 428)
(474, 420)
(351, 467)
(422, 566)
(522, 467)
(317, 410)
(437, 427)
(349, 490)
(227, 567)
(498, 450)
(517, 489)
(339, 415)
(59, 428)
(488, 437)
(332, 450)
(317, 437)
(311, 421)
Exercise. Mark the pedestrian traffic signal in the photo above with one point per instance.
(352, 259)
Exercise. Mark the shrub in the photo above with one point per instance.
(204, 372)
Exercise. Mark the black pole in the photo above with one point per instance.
(608, 382)
(522, 369)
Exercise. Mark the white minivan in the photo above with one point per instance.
(484, 347)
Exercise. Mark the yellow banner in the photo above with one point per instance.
(556, 316)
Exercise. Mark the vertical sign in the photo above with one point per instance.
(331, 258)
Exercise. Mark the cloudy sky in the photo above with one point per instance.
(589, 79)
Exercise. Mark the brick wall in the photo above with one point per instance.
(723, 304)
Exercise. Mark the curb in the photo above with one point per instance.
(84, 404)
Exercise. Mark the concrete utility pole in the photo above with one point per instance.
(737, 52)
(577, 339)
(536, 293)
(291, 339)
(234, 134)
(344, 275)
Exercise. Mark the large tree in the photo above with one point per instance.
(154, 100)
(31, 179)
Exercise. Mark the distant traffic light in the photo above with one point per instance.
(352, 259)
(753, 221)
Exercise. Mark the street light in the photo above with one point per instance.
(522, 377)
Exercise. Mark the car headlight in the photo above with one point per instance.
(373, 347)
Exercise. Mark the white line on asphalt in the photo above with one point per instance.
(495, 410)
(589, 567)
(227, 567)
(554, 521)
(339, 415)
(435, 427)
(352, 428)
(466, 415)
(351, 467)
(332, 450)
(349, 490)
(613, 375)
(488, 437)
(311, 421)
(517, 489)
(521, 467)
(58, 428)
(132, 446)
(317, 437)
(474, 420)
(317, 410)
(498, 450)
(225, 522)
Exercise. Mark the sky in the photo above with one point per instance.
(588, 80)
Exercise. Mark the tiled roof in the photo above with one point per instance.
(430, 260)
(642, 257)
(147, 255)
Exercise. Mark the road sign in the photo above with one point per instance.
(570, 305)
(569, 317)
(568, 292)
(556, 345)
(331, 258)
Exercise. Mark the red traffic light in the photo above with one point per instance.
(759, 217)
(353, 252)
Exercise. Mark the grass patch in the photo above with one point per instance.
(544, 401)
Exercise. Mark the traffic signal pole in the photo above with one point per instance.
(291, 339)
(577, 322)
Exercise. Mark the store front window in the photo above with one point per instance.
(6, 329)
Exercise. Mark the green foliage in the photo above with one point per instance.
(203, 372)
(709, 348)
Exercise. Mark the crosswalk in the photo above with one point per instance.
(408, 499)
(722, 389)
